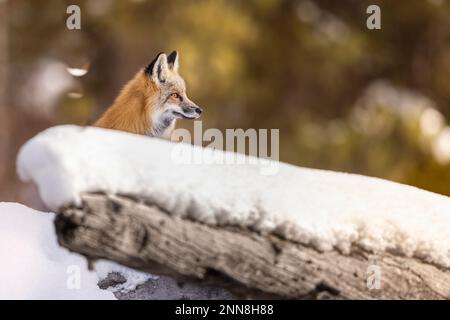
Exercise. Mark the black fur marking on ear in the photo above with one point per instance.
(172, 57)
(149, 69)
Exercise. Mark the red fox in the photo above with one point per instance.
(152, 101)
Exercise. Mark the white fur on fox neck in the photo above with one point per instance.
(163, 121)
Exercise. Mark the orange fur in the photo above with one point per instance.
(131, 109)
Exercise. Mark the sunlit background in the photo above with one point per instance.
(345, 98)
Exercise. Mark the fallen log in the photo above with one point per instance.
(250, 264)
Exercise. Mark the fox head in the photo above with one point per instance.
(170, 101)
(152, 101)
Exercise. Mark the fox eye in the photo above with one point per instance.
(175, 96)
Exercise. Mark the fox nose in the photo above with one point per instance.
(198, 110)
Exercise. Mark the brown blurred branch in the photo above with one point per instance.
(4, 64)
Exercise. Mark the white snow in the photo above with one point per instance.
(34, 266)
(328, 210)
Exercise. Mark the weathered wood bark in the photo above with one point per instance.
(142, 236)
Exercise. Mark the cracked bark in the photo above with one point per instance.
(249, 264)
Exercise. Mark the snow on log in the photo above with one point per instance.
(297, 233)
(248, 264)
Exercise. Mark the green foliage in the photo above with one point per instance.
(301, 66)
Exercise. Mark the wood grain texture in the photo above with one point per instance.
(250, 264)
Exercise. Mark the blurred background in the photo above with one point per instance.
(374, 102)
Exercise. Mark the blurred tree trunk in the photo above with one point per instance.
(4, 132)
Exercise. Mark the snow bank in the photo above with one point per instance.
(325, 209)
(34, 266)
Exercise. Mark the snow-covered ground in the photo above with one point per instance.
(34, 266)
(325, 209)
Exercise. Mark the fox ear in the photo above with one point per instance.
(172, 59)
(157, 69)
